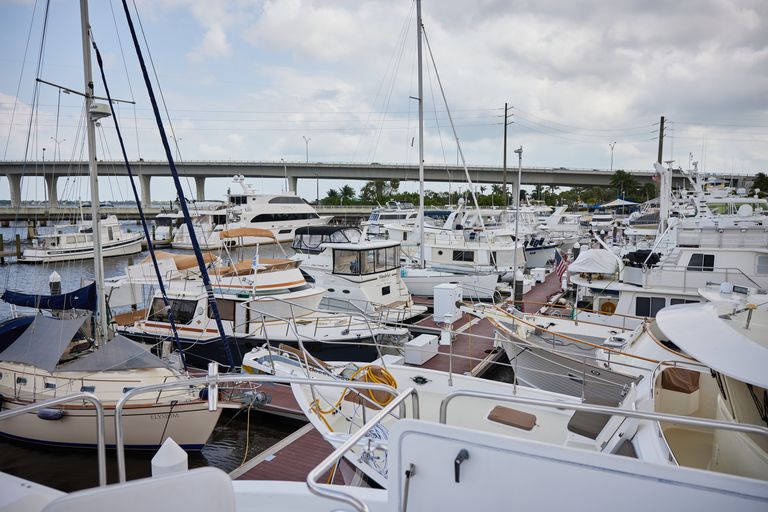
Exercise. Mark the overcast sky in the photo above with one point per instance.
(248, 80)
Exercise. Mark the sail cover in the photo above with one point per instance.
(594, 261)
(119, 353)
(83, 298)
(43, 343)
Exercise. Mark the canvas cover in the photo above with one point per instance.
(594, 261)
(83, 298)
(118, 354)
(43, 342)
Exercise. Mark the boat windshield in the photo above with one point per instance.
(368, 261)
(311, 241)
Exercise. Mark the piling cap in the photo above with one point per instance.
(54, 277)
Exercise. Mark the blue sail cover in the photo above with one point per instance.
(84, 298)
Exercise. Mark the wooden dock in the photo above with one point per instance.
(291, 459)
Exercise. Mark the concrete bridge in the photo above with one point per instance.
(39, 214)
(293, 171)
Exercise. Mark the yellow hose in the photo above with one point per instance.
(371, 374)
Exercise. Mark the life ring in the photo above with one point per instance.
(608, 308)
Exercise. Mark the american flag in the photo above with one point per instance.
(560, 264)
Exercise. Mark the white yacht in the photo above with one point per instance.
(602, 219)
(280, 214)
(358, 275)
(66, 245)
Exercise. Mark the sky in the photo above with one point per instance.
(334, 81)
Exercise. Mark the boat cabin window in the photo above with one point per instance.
(310, 242)
(649, 306)
(762, 264)
(701, 262)
(365, 262)
(218, 220)
(238, 199)
(226, 309)
(463, 256)
(675, 302)
(183, 310)
(286, 200)
(281, 217)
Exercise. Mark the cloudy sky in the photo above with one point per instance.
(250, 79)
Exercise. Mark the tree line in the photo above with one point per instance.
(623, 185)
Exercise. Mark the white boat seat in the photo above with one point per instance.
(198, 490)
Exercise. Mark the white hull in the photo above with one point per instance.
(146, 425)
(209, 240)
(539, 257)
(109, 249)
(422, 283)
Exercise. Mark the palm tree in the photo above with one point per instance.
(331, 197)
(624, 183)
(346, 192)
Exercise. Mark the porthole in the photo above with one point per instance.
(331, 290)
(87, 389)
(344, 291)
(21, 380)
(440, 253)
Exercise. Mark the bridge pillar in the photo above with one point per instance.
(293, 182)
(146, 195)
(14, 182)
(53, 193)
(200, 185)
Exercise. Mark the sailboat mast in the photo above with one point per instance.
(98, 262)
(421, 136)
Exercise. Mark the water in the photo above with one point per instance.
(73, 469)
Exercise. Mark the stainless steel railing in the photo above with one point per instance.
(328, 491)
(101, 444)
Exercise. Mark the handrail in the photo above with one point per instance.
(101, 443)
(602, 409)
(327, 463)
(213, 380)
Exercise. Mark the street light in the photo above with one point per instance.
(56, 151)
(306, 142)
(612, 144)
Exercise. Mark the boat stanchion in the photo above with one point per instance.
(213, 387)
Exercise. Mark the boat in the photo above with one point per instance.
(52, 358)
(280, 214)
(63, 245)
(358, 275)
(260, 300)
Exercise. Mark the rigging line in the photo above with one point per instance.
(127, 78)
(456, 136)
(394, 63)
(150, 245)
(437, 122)
(179, 189)
(160, 90)
(21, 77)
(522, 122)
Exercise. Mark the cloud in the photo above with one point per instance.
(214, 45)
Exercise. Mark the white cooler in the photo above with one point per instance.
(421, 349)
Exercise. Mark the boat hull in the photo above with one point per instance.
(118, 248)
(146, 425)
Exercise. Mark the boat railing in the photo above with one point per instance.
(101, 444)
(328, 490)
(212, 381)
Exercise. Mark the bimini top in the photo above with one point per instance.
(717, 335)
(327, 231)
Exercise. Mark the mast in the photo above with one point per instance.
(421, 136)
(98, 262)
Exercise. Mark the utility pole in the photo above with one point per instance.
(504, 173)
(519, 152)
(661, 139)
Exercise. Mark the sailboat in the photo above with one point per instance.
(61, 354)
